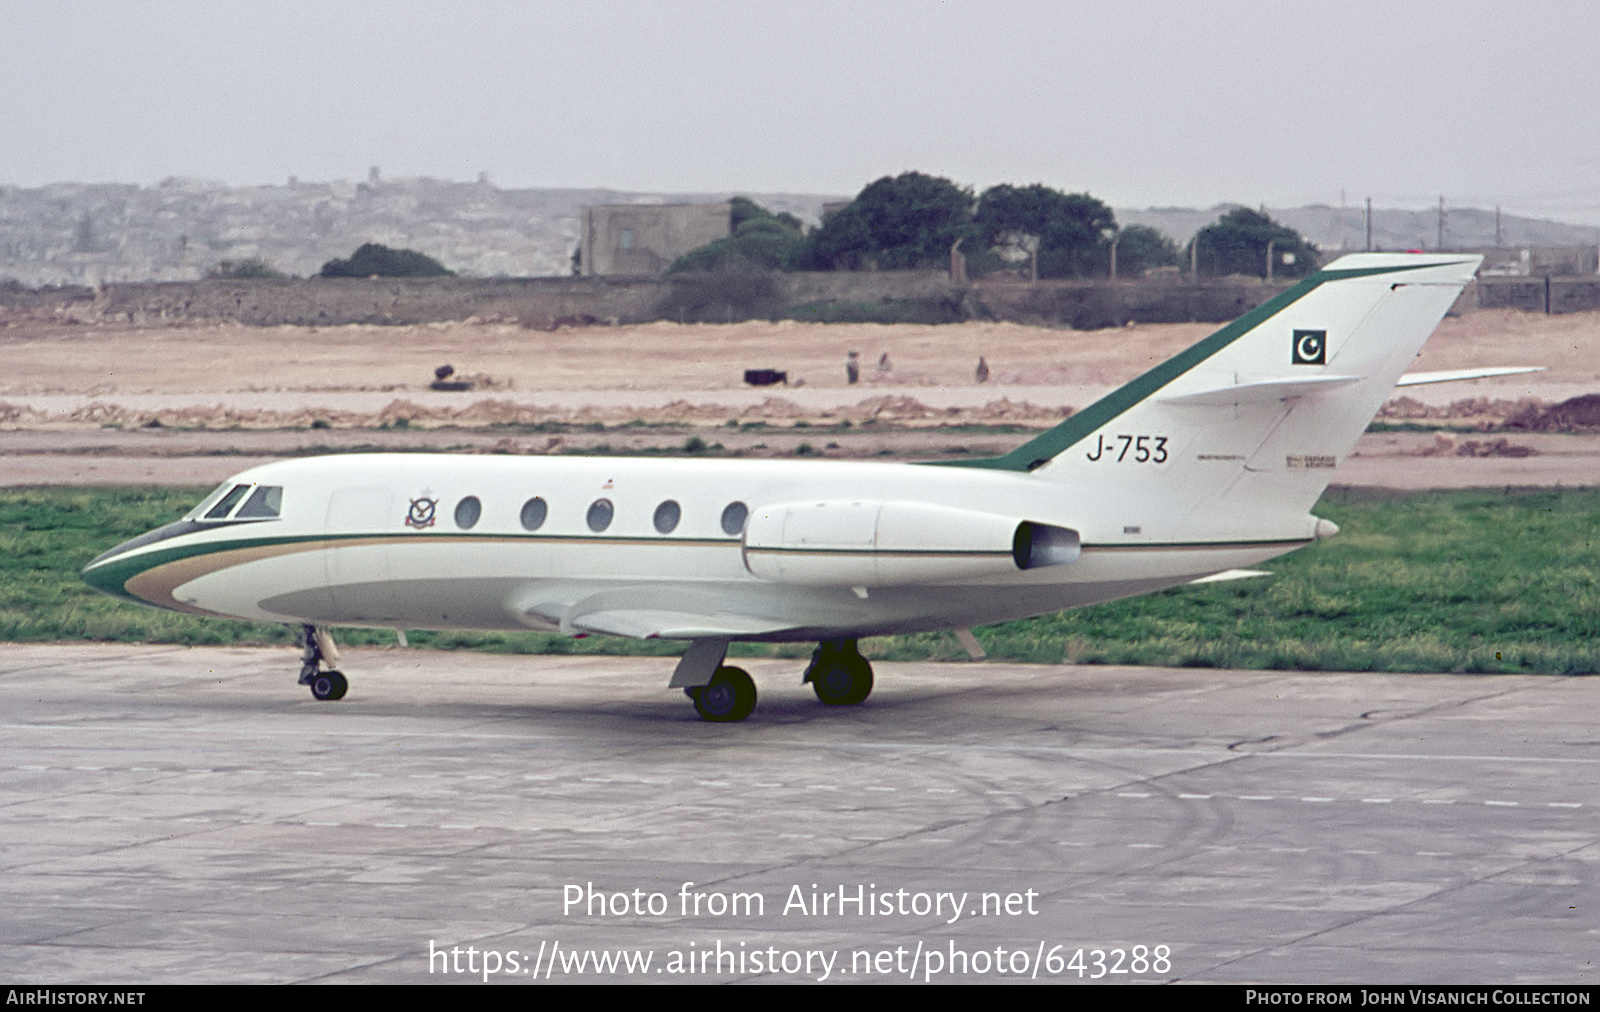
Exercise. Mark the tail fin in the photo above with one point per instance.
(1256, 417)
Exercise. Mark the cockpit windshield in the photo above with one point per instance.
(229, 501)
(264, 503)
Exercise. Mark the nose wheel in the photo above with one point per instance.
(317, 649)
(329, 685)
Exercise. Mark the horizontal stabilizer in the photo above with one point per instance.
(1263, 391)
(1417, 379)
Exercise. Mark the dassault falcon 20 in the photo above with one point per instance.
(1209, 462)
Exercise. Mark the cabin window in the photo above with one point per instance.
(468, 511)
(667, 516)
(265, 501)
(600, 513)
(733, 518)
(534, 512)
(228, 502)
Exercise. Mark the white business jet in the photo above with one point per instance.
(1208, 463)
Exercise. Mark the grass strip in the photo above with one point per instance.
(1460, 581)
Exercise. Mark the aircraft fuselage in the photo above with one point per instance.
(497, 542)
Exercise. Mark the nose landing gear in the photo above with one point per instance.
(317, 648)
(329, 685)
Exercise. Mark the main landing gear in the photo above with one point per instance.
(838, 673)
(317, 648)
(729, 696)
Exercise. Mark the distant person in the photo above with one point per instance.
(982, 372)
(852, 367)
(883, 363)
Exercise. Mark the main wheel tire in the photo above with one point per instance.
(729, 696)
(842, 680)
(329, 685)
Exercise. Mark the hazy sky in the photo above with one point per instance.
(1140, 103)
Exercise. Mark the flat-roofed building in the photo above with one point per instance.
(644, 239)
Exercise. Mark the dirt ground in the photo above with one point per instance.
(109, 404)
(109, 360)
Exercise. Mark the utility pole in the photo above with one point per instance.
(1439, 247)
(1369, 224)
(1270, 243)
(1499, 235)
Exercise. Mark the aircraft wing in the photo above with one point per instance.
(650, 612)
(644, 624)
(1231, 574)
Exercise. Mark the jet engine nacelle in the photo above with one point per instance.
(864, 543)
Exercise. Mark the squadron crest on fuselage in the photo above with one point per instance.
(421, 513)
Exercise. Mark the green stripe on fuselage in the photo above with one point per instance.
(112, 576)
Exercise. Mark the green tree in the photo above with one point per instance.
(1237, 244)
(910, 220)
(1141, 248)
(760, 240)
(375, 260)
(1071, 231)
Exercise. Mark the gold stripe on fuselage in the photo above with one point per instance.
(156, 584)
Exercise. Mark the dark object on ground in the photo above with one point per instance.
(442, 380)
(766, 377)
(1501, 447)
(1578, 414)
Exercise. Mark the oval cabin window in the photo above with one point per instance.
(667, 516)
(600, 514)
(534, 512)
(733, 518)
(468, 511)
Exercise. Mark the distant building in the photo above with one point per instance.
(1537, 261)
(643, 239)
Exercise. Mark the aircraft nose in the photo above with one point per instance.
(102, 577)
(107, 555)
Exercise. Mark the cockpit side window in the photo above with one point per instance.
(265, 501)
(228, 502)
